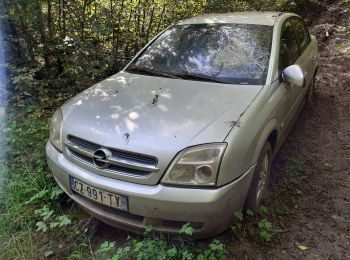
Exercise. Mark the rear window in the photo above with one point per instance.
(231, 53)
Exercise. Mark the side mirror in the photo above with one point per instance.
(294, 75)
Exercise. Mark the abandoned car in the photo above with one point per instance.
(187, 131)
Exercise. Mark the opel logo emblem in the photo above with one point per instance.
(101, 157)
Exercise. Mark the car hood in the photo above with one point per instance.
(154, 115)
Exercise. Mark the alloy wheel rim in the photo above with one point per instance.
(263, 176)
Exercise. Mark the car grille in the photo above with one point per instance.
(118, 161)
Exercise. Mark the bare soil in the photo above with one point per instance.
(310, 186)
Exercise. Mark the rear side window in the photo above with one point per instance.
(289, 47)
(302, 34)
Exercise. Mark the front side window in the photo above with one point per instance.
(227, 53)
(289, 47)
(301, 33)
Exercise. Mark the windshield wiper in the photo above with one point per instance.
(188, 75)
(148, 71)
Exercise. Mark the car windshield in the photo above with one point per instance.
(227, 53)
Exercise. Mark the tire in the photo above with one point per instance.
(259, 185)
(309, 97)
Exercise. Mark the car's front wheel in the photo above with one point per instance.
(259, 184)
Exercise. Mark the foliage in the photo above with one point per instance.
(105, 247)
(253, 224)
(29, 197)
(80, 42)
(186, 229)
(216, 250)
(158, 247)
(264, 227)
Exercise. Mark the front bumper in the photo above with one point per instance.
(210, 211)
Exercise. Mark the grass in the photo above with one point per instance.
(27, 184)
(24, 171)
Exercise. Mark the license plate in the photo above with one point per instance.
(103, 197)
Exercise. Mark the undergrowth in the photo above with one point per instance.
(253, 225)
(157, 246)
(30, 201)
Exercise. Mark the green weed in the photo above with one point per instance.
(158, 247)
(253, 224)
(29, 198)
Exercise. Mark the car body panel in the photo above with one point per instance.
(274, 109)
(155, 204)
(154, 116)
(263, 18)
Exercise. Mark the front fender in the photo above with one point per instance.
(243, 150)
(271, 126)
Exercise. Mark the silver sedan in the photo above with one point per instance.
(186, 133)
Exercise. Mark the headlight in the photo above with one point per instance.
(56, 130)
(196, 166)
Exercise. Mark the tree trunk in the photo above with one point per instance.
(49, 19)
(150, 25)
(82, 23)
(160, 19)
(64, 18)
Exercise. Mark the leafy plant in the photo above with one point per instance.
(159, 247)
(149, 229)
(48, 253)
(264, 227)
(105, 247)
(55, 193)
(61, 221)
(239, 216)
(46, 213)
(263, 210)
(238, 224)
(38, 196)
(216, 250)
(250, 212)
(186, 229)
(253, 224)
(41, 226)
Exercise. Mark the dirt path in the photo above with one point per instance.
(316, 156)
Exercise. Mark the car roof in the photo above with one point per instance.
(263, 18)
